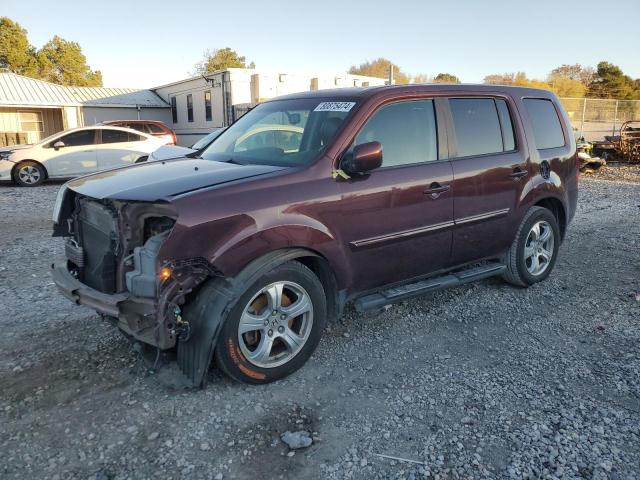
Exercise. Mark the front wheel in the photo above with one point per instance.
(29, 174)
(274, 327)
(533, 253)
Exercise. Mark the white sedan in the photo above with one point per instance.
(75, 152)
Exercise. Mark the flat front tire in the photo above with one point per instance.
(534, 250)
(274, 327)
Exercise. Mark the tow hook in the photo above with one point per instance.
(182, 328)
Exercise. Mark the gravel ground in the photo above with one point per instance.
(482, 381)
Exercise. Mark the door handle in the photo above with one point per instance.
(518, 173)
(435, 190)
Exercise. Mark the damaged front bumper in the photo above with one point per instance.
(148, 320)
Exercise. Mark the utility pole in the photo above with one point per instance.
(390, 74)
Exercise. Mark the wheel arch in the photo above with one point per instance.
(19, 162)
(555, 206)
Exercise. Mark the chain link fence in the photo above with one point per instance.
(595, 118)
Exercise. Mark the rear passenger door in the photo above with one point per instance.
(490, 168)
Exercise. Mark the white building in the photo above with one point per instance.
(202, 103)
(32, 109)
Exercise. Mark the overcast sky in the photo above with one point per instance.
(145, 44)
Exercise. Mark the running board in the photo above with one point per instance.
(379, 299)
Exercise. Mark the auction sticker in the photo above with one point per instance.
(334, 107)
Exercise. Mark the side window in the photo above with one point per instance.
(190, 108)
(547, 130)
(406, 130)
(207, 106)
(155, 129)
(477, 126)
(174, 110)
(508, 139)
(114, 136)
(78, 139)
(136, 138)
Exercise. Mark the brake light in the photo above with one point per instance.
(170, 138)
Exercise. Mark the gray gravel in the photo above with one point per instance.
(483, 381)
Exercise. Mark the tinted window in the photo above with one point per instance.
(77, 139)
(141, 127)
(406, 130)
(174, 110)
(155, 129)
(190, 108)
(477, 126)
(508, 140)
(207, 105)
(546, 124)
(119, 136)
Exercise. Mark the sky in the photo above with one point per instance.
(142, 44)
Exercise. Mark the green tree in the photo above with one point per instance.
(220, 59)
(611, 82)
(61, 61)
(380, 68)
(446, 78)
(16, 54)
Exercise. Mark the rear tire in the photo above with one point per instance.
(29, 174)
(274, 327)
(534, 251)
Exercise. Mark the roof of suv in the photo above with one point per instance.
(368, 92)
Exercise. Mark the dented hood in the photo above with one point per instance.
(160, 180)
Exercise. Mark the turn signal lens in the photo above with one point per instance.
(165, 274)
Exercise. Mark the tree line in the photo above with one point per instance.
(604, 81)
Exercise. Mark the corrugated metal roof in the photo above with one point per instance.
(16, 90)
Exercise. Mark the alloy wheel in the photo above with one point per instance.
(29, 174)
(275, 324)
(538, 249)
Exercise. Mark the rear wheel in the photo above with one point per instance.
(274, 327)
(29, 174)
(533, 253)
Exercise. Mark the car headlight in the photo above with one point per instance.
(58, 205)
(5, 155)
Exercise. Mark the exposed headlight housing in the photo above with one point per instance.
(58, 205)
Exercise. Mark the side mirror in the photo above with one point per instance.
(59, 144)
(365, 157)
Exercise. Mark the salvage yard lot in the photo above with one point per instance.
(484, 380)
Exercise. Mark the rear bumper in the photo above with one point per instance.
(136, 316)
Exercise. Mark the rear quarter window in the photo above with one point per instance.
(547, 130)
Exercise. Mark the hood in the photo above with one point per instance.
(160, 180)
(11, 148)
(169, 152)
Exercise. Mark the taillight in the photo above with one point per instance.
(170, 138)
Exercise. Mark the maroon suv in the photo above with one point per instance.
(314, 200)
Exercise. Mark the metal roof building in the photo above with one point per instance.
(31, 109)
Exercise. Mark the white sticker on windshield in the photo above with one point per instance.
(334, 107)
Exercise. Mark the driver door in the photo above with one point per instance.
(76, 157)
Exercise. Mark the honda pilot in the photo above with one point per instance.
(313, 201)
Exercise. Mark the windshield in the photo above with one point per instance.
(204, 141)
(284, 133)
